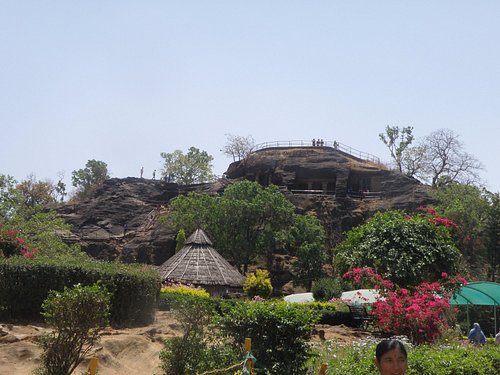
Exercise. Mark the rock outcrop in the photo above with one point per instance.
(122, 221)
(343, 190)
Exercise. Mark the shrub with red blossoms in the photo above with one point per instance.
(367, 278)
(11, 244)
(420, 314)
(444, 221)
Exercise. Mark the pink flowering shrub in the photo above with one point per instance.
(421, 314)
(11, 244)
(444, 221)
(367, 278)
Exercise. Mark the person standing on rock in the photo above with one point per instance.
(154, 174)
(142, 171)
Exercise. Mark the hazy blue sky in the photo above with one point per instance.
(122, 81)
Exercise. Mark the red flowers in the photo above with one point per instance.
(419, 314)
(444, 221)
(11, 244)
(367, 277)
(448, 223)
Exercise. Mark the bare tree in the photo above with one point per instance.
(445, 160)
(413, 160)
(397, 140)
(238, 147)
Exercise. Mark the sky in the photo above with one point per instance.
(123, 81)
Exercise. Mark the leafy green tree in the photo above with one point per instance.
(42, 229)
(248, 220)
(90, 178)
(397, 140)
(77, 315)
(238, 147)
(192, 168)
(254, 216)
(193, 211)
(38, 226)
(10, 198)
(308, 240)
(492, 238)
(468, 207)
(180, 239)
(36, 192)
(406, 250)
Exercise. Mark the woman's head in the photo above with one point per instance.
(391, 357)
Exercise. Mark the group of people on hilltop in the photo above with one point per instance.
(142, 173)
(318, 142)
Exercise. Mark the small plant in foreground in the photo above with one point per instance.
(76, 314)
(196, 351)
(280, 332)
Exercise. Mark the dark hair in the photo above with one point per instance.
(385, 346)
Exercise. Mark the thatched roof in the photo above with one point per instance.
(200, 264)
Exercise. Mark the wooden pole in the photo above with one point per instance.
(323, 368)
(248, 348)
(248, 344)
(93, 366)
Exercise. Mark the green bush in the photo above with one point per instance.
(76, 314)
(279, 331)
(327, 288)
(258, 284)
(422, 360)
(200, 348)
(25, 284)
(326, 306)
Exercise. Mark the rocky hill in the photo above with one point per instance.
(122, 220)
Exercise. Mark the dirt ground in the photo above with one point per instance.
(132, 351)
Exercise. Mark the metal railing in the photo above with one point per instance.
(331, 144)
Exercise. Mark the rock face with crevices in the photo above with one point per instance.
(122, 221)
(343, 190)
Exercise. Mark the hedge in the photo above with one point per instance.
(25, 283)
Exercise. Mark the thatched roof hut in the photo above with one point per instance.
(200, 264)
